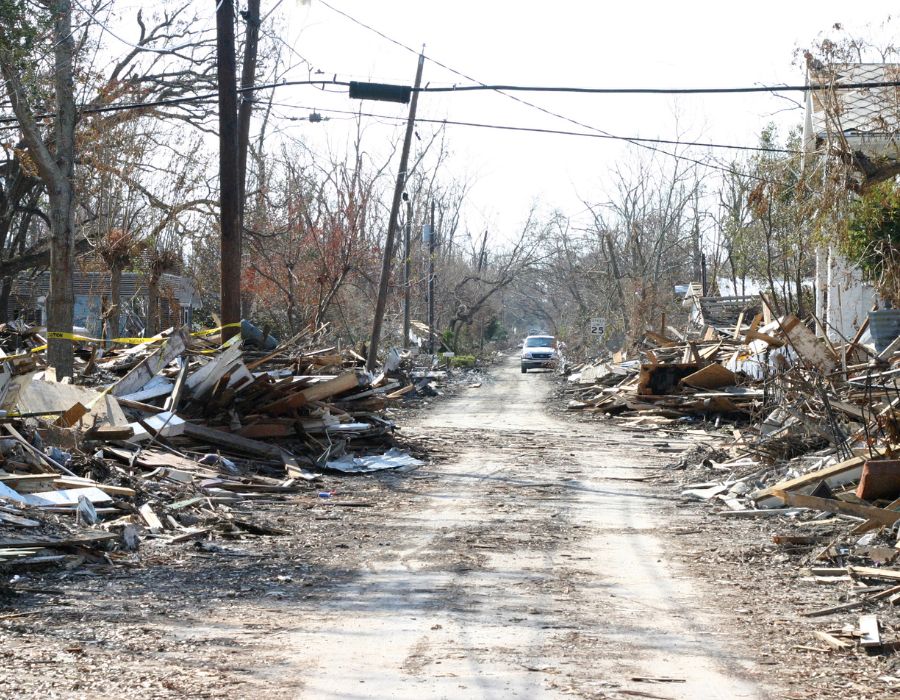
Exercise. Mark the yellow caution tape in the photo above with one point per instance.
(62, 335)
(39, 348)
(213, 331)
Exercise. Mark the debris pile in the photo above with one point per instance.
(793, 430)
(174, 438)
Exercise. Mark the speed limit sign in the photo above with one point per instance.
(598, 326)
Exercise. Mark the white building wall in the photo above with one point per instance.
(849, 298)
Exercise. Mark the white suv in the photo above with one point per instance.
(539, 351)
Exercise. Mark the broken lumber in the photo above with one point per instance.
(318, 392)
(150, 366)
(835, 475)
(830, 505)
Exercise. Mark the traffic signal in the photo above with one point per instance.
(380, 91)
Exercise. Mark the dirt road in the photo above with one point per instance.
(532, 569)
(530, 564)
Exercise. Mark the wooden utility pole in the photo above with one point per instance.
(245, 111)
(381, 301)
(407, 270)
(431, 246)
(229, 180)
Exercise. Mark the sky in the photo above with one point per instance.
(649, 43)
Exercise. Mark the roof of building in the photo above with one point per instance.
(724, 312)
(856, 111)
(133, 284)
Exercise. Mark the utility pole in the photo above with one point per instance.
(245, 111)
(381, 301)
(704, 286)
(431, 246)
(407, 269)
(229, 180)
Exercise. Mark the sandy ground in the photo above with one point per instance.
(531, 562)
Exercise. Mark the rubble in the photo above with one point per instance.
(175, 438)
(794, 432)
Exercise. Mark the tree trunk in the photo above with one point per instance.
(152, 327)
(115, 294)
(5, 292)
(56, 170)
(61, 299)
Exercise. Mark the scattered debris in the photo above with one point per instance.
(790, 430)
(175, 439)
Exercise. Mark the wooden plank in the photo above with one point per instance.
(152, 520)
(833, 642)
(85, 538)
(173, 399)
(220, 438)
(317, 392)
(738, 326)
(872, 572)
(202, 381)
(829, 505)
(812, 351)
(29, 483)
(138, 406)
(661, 340)
(401, 392)
(67, 482)
(18, 520)
(835, 475)
(141, 374)
(268, 429)
(110, 432)
(73, 415)
(870, 525)
(868, 625)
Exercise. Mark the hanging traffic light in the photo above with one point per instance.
(380, 91)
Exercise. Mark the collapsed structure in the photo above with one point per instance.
(172, 437)
(791, 428)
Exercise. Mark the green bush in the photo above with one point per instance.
(463, 361)
(872, 238)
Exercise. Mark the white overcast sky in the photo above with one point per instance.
(649, 43)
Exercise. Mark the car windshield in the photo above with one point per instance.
(542, 342)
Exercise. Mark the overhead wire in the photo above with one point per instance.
(812, 87)
(549, 112)
(540, 130)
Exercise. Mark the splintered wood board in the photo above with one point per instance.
(868, 625)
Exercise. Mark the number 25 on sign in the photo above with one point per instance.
(598, 326)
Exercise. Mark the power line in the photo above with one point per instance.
(661, 91)
(531, 104)
(597, 133)
(182, 100)
(540, 130)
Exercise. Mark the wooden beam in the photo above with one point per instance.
(317, 392)
(151, 365)
(835, 475)
(830, 505)
(220, 438)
